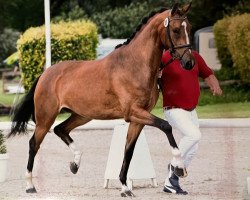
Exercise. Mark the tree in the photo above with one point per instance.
(206, 12)
(21, 14)
(8, 40)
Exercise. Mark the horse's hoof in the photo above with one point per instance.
(73, 167)
(31, 190)
(180, 172)
(127, 193)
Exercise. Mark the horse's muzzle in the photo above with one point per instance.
(188, 65)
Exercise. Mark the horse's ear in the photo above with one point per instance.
(185, 8)
(174, 9)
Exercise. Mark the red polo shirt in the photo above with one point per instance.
(181, 87)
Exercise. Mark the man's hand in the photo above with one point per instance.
(214, 85)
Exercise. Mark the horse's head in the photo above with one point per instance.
(175, 35)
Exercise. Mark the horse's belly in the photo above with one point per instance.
(94, 105)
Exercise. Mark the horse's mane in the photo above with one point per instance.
(143, 21)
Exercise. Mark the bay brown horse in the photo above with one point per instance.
(121, 85)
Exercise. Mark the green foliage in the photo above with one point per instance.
(243, 6)
(221, 41)
(76, 13)
(120, 22)
(3, 148)
(8, 40)
(205, 13)
(21, 14)
(227, 71)
(232, 42)
(231, 93)
(69, 41)
(239, 44)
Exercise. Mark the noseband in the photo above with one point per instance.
(173, 48)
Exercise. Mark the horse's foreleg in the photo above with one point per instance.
(62, 130)
(132, 136)
(177, 161)
(144, 117)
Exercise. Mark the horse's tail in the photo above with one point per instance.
(23, 112)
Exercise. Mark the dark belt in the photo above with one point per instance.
(172, 107)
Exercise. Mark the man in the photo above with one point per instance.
(181, 91)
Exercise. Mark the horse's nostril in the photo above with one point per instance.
(189, 65)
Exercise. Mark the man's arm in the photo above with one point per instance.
(214, 85)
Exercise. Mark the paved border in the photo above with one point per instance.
(110, 124)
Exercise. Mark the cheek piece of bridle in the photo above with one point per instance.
(172, 49)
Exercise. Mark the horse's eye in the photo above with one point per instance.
(176, 30)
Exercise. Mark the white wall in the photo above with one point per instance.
(208, 50)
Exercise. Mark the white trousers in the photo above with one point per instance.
(187, 123)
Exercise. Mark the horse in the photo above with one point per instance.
(121, 85)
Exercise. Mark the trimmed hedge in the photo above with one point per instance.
(69, 41)
(232, 42)
(239, 45)
(220, 33)
(227, 71)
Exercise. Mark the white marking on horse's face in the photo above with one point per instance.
(184, 24)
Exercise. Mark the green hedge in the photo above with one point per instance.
(232, 42)
(220, 33)
(239, 45)
(227, 71)
(69, 41)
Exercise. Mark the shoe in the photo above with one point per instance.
(174, 190)
(172, 185)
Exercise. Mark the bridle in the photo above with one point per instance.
(173, 48)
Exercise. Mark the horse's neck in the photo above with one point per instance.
(146, 47)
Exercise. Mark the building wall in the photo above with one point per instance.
(208, 50)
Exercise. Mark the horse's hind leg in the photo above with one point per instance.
(134, 131)
(34, 145)
(62, 130)
(44, 121)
